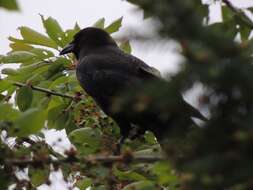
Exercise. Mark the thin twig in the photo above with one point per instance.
(240, 13)
(47, 91)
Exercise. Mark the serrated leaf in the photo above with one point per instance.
(114, 26)
(100, 23)
(33, 37)
(12, 39)
(29, 122)
(42, 53)
(54, 30)
(19, 46)
(87, 140)
(9, 4)
(24, 98)
(126, 47)
(18, 57)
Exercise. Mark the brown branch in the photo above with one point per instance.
(239, 13)
(49, 92)
(123, 158)
(90, 159)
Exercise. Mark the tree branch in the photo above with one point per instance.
(240, 13)
(90, 159)
(50, 92)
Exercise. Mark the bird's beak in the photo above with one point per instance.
(67, 49)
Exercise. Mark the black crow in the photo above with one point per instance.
(104, 71)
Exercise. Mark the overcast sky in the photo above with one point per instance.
(86, 12)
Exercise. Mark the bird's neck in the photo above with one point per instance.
(85, 51)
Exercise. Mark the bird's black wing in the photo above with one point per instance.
(149, 72)
(152, 73)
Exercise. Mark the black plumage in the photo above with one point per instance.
(104, 71)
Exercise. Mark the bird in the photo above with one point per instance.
(104, 71)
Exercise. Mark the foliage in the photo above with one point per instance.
(9, 4)
(217, 155)
(43, 94)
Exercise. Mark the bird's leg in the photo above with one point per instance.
(125, 128)
(119, 144)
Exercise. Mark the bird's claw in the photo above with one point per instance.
(118, 145)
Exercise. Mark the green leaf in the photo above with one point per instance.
(87, 140)
(24, 98)
(9, 71)
(59, 118)
(2, 97)
(19, 46)
(38, 176)
(150, 138)
(128, 175)
(69, 34)
(164, 173)
(18, 57)
(126, 47)
(54, 30)
(245, 32)
(84, 183)
(33, 37)
(57, 66)
(141, 185)
(9, 4)
(100, 23)
(42, 53)
(29, 122)
(114, 26)
(4, 85)
(152, 151)
(228, 28)
(58, 82)
(227, 14)
(7, 112)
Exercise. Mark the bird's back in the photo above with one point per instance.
(106, 72)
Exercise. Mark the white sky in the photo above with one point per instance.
(86, 12)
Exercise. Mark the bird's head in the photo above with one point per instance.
(86, 40)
